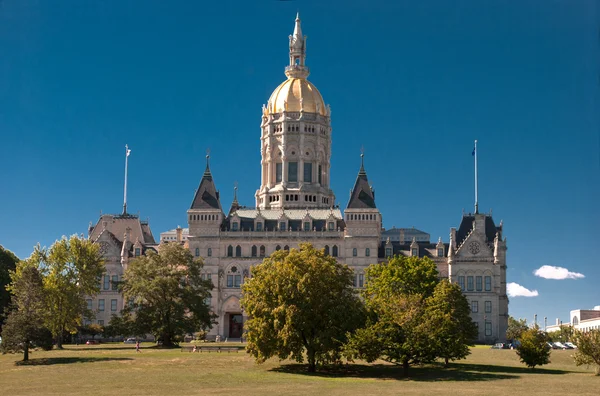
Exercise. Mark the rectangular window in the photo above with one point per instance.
(478, 285)
(113, 305)
(488, 328)
(440, 252)
(474, 306)
(101, 322)
(461, 282)
(469, 283)
(488, 283)
(361, 280)
(488, 307)
(101, 305)
(355, 280)
(282, 226)
(259, 226)
(331, 226)
(115, 281)
(208, 301)
(388, 252)
(306, 226)
(106, 282)
(320, 175)
(415, 252)
(209, 252)
(367, 252)
(237, 281)
(137, 252)
(89, 304)
(292, 171)
(229, 280)
(278, 173)
(354, 252)
(308, 172)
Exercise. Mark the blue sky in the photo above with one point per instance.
(414, 82)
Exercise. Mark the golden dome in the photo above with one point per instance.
(296, 94)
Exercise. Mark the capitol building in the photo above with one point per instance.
(294, 204)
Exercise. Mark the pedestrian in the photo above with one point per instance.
(137, 346)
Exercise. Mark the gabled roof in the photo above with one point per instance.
(118, 224)
(207, 196)
(466, 225)
(362, 196)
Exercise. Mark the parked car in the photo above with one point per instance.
(573, 346)
(560, 345)
(500, 345)
(130, 341)
(91, 342)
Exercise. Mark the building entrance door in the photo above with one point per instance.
(236, 326)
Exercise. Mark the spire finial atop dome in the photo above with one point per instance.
(296, 68)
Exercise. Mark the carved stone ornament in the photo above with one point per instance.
(474, 247)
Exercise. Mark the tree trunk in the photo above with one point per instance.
(405, 367)
(59, 341)
(446, 362)
(312, 365)
(26, 352)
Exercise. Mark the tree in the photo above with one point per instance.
(167, 295)
(24, 325)
(8, 263)
(534, 350)
(588, 348)
(396, 329)
(515, 328)
(449, 319)
(71, 269)
(300, 301)
(91, 329)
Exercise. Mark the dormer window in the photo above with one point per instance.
(331, 226)
(307, 226)
(414, 252)
(234, 226)
(137, 252)
(440, 252)
(282, 226)
(259, 226)
(388, 252)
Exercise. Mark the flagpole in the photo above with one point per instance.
(125, 188)
(476, 198)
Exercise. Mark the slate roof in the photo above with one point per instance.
(119, 224)
(207, 196)
(295, 218)
(362, 196)
(466, 225)
(403, 249)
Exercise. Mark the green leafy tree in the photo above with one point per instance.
(24, 325)
(396, 329)
(8, 263)
(534, 350)
(588, 348)
(515, 328)
(449, 319)
(91, 329)
(167, 295)
(70, 269)
(300, 301)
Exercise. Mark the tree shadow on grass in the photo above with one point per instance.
(66, 360)
(433, 372)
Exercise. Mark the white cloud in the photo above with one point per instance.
(516, 290)
(551, 272)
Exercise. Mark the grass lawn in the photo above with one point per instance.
(116, 369)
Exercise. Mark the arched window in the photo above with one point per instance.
(253, 251)
(286, 247)
(277, 247)
(209, 252)
(326, 250)
(229, 251)
(197, 252)
(367, 252)
(238, 251)
(262, 250)
(334, 251)
(355, 252)
(575, 321)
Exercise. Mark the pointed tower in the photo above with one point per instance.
(205, 214)
(295, 139)
(361, 215)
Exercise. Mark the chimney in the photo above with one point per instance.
(179, 232)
